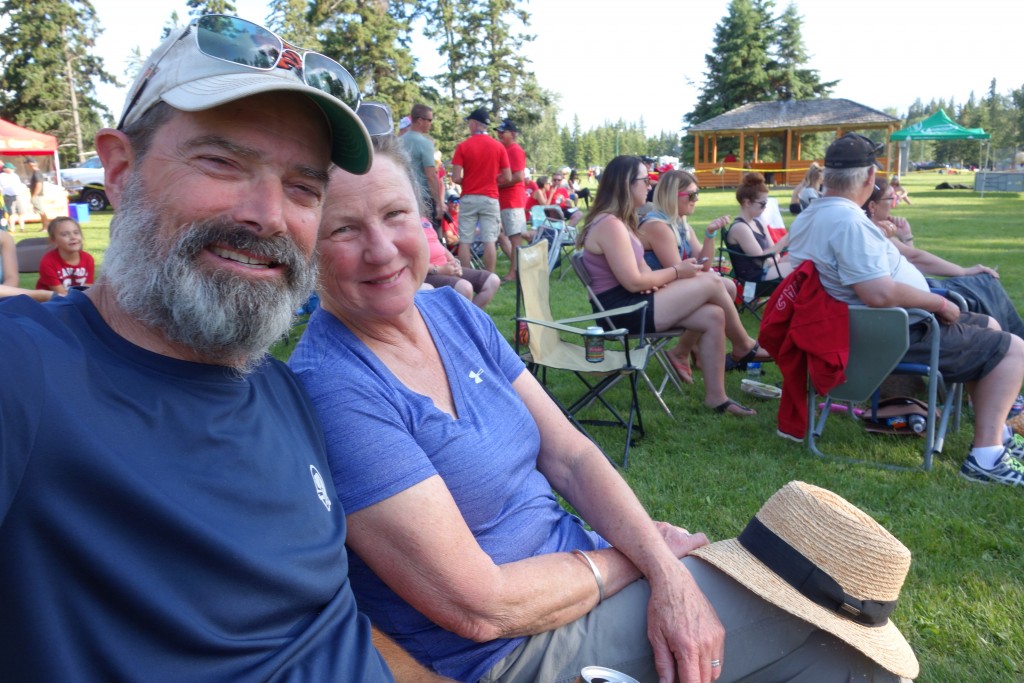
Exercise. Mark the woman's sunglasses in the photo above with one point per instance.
(242, 42)
(376, 116)
(692, 196)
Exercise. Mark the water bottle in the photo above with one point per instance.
(753, 370)
(918, 423)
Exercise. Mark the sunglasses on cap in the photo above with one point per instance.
(244, 43)
(376, 116)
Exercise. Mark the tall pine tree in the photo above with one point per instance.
(49, 70)
(756, 58)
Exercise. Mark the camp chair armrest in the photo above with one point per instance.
(622, 310)
(557, 325)
(955, 297)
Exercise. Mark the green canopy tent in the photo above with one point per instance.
(938, 126)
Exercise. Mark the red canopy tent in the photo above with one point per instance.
(16, 141)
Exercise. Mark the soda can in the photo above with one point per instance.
(523, 333)
(594, 344)
(600, 674)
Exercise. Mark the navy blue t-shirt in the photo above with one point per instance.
(163, 520)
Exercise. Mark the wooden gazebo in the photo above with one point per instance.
(788, 119)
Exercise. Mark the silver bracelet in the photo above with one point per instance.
(597, 575)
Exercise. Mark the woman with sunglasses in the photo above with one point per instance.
(682, 295)
(978, 284)
(754, 254)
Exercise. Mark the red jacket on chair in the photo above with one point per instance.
(805, 328)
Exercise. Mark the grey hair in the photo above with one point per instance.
(845, 180)
(140, 133)
(389, 146)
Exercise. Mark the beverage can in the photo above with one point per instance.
(753, 369)
(594, 344)
(600, 674)
(523, 333)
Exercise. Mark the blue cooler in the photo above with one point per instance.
(80, 212)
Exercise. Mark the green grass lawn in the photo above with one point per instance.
(962, 604)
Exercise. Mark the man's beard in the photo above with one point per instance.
(221, 316)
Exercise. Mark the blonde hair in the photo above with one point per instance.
(666, 196)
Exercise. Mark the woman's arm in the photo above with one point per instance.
(661, 239)
(431, 559)
(9, 259)
(610, 236)
(683, 627)
(706, 243)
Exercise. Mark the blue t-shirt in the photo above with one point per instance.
(163, 520)
(383, 438)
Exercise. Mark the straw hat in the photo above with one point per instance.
(837, 556)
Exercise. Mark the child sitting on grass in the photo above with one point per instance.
(68, 265)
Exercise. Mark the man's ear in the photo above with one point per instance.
(115, 150)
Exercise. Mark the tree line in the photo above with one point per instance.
(49, 72)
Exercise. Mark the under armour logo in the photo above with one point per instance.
(321, 487)
(475, 376)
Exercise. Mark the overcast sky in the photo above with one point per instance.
(611, 59)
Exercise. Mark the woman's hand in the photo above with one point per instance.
(719, 223)
(903, 231)
(679, 540)
(887, 227)
(684, 630)
(689, 268)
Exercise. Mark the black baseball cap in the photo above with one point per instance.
(507, 124)
(853, 151)
(480, 115)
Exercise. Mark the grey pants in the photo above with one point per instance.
(763, 644)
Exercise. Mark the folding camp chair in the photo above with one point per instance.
(547, 224)
(879, 338)
(546, 350)
(656, 340)
(750, 296)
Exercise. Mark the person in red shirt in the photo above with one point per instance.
(512, 196)
(560, 198)
(479, 165)
(68, 265)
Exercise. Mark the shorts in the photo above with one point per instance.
(474, 208)
(9, 202)
(968, 349)
(620, 296)
(477, 278)
(513, 221)
(39, 204)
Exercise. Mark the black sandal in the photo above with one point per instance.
(733, 363)
(724, 408)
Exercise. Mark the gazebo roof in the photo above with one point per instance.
(803, 114)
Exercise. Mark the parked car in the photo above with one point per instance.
(85, 184)
(929, 165)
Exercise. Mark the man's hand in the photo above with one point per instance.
(949, 313)
(979, 269)
(684, 631)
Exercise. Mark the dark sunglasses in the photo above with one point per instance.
(691, 195)
(242, 42)
(376, 116)
(763, 203)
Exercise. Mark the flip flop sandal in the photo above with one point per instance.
(683, 370)
(724, 408)
(734, 363)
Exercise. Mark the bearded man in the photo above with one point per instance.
(166, 512)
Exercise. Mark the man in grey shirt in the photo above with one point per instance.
(421, 150)
(858, 264)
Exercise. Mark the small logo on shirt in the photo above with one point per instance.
(475, 376)
(321, 488)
